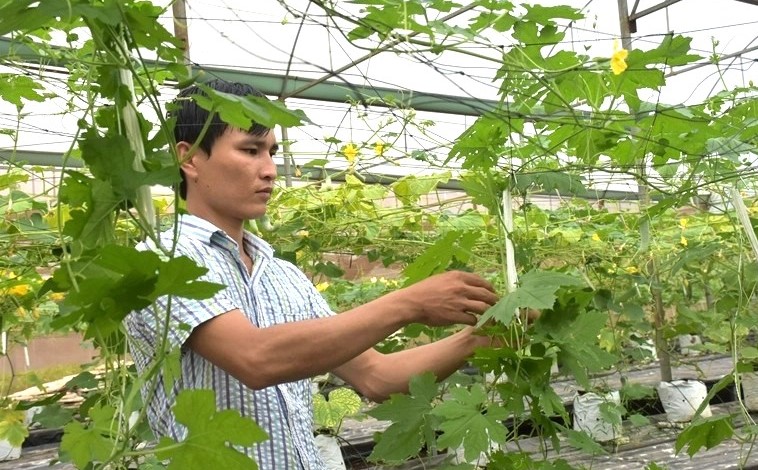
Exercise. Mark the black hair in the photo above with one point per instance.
(191, 118)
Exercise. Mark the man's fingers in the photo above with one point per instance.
(476, 281)
(483, 295)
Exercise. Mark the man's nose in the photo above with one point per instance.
(269, 171)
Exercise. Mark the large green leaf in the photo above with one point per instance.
(16, 89)
(28, 15)
(437, 258)
(111, 158)
(208, 434)
(536, 290)
(410, 420)
(471, 420)
(243, 111)
(92, 442)
(707, 433)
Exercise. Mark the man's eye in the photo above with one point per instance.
(250, 150)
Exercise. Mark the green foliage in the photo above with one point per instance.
(524, 461)
(89, 442)
(53, 416)
(329, 414)
(12, 427)
(454, 246)
(536, 290)
(208, 432)
(121, 279)
(470, 420)
(243, 111)
(706, 433)
(412, 421)
(17, 89)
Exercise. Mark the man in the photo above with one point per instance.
(257, 342)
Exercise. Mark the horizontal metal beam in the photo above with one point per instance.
(53, 159)
(278, 85)
(37, 158)
(665, 4)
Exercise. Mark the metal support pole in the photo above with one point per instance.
(643, 195)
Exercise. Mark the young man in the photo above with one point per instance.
(257, 342)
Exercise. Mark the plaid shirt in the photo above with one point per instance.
(276, 292)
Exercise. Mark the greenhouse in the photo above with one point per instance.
(375, 234)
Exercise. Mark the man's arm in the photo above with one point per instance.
(377, 375)
(261, 357)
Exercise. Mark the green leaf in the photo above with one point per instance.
(409, 415)
(15, 89)
(28, 15)
(672, 51)
(583, 442)
(579, 350)
(434, 260)
(654, 466)
(12, 426)
(84, 444)
(547, 15)
(485, 188)
(208, 434)
(9, 180)
(93, 204)
(409, 189)
(54, 416)
(178, 276)
(84, 380)
(638, 419)
(243, 111)
(471, 420)
(110, 158)
(536, 290)
(343, 402)
(707, 433)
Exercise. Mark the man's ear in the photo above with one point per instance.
(186, 160)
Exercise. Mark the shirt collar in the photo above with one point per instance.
(202, 230)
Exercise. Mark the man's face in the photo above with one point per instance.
(235, 181)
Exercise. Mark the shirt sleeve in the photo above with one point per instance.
(177, 317)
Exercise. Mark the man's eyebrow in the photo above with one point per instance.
(254, 140)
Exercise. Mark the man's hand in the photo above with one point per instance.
(450, 298)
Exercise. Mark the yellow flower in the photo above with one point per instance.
(302, 233)
(683, 223)
(595, 237)
(379, 148)
(322, 286)
(57, 296)
(683, 241)
(631, 269)
(350, 151)
(618, 59)
(374, 280)
(19, 290)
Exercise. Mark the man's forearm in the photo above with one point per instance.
(442, 358)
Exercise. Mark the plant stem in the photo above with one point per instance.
(664, 358)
